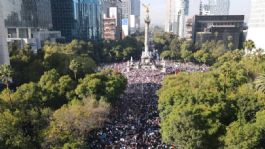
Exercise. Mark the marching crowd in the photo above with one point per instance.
(170, 67)
(135, 121)
(187, 67)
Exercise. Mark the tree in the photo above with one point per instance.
(58, 61)
(249, 45)
(242, 136)
(215, 109)
(191, 127)
(74, 66)
(48, 81)
(6, 74)
(166, 54)
(260, 83)
(6, 77)
(175, 48)
(56, 90)
(229, 56)
(107, 85)
(218, 50)
(21, 126)
(202, 56)
(216, 34)
(188, 107)
(128, 52)
(28, 96)
(66, 88)
(11, 135)
(246, 135)
(230, 44)
(185, 53)
(91, 85)
(87, 65)
(71, 123)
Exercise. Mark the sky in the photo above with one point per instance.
(158, 9)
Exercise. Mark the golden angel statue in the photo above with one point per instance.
(147, 8)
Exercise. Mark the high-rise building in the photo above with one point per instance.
(63, 17)
(112, 11)
(81, 19)
(170, 16)
(126, 8)
(256, 29)
(126, 13)
(215, 7)
(23, 18)
(135, 16)
(176, 15)
(131, 10)
(88, 17)
(110, 29)
(136, 7)
(219, 7)
(4, 56)
(218, 27)
(106, 4)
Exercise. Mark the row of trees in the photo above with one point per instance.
(222, 108)
(56, 111)
(76, 58)
(79, 57)
(173, 48)
(57, 97)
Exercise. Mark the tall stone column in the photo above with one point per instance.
(4, 55)
(146, 43)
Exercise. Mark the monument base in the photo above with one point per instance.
(147, 58)
(146, 61)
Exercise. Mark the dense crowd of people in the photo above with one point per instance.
(172, 67)
(135, 121)
(169, 65)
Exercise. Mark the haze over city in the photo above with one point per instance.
(158, 9)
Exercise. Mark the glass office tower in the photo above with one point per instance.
(256, 29)
(88, 19)
(22, 17)
(80, 19)
(63, 17)
(136, 12)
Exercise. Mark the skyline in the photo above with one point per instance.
(158, 17)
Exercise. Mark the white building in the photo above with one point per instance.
(27, 22)
(36, 40)
(215, 7)
(176, 15)
(256, 29)
(131, 10)
(219, 7)
(135, 15)
(4, 55)
(171, 16)
(125, 27)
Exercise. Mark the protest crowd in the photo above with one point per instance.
(135, 121)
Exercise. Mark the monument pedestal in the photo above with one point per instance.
(148, 58)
